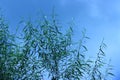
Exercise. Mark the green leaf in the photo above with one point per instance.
(111, 74)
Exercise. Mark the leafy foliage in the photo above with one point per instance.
(44, 48)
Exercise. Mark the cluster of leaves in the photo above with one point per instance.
(43, 49)
(7, 50)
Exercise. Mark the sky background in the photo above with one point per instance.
(101, 18)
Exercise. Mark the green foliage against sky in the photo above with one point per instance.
(46, 52)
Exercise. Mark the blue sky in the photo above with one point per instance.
(101, 18)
